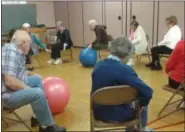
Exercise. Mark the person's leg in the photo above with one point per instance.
(173, 83)
(55, 52)
(156, 60)
(153, 49)
(36, 98)
(34, 81)
(130, 60)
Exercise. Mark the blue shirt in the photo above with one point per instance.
(111, 72)
(13, 64)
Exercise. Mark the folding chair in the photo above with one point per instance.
(112, 96)
(179, 91)
(7, 109)
(148, 51)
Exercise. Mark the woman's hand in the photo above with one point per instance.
(48, 51)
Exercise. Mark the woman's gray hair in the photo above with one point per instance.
(59, 23)
(20, 36)
(120, 47)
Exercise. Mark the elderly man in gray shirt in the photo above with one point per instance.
(19, 89)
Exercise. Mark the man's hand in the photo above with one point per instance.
(90, 46)
(14, 83)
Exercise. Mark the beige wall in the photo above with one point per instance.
(76, 23)
(45, 13)
(144, 15)
(81, 12)
(61, 12)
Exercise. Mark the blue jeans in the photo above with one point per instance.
(144, 117)
(34, 96)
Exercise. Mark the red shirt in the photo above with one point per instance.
(175, 65)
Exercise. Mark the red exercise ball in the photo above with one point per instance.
(57, 93)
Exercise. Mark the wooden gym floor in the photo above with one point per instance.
(76, 116)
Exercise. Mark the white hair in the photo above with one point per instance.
(59, 23)
(26, 25)
(93, 23)
(21, 36)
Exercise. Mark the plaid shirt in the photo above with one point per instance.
(13, 64)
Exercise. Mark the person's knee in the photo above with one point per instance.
(39, 93)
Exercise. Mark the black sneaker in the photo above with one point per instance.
(52, 129)
(34, 122)
(149, 65)
(156, 67)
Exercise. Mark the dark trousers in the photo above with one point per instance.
(173, 83)
(159, 50)
(56, 48)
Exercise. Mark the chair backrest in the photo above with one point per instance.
(114, 95)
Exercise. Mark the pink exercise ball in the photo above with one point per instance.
(57, 93)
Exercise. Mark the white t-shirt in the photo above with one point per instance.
(172, 37)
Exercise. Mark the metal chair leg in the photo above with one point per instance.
(71, 53)
(22, 121)
(166, 104)
(3, 120)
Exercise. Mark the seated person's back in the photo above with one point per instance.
(111, 72)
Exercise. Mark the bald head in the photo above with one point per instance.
(92, 24)
(22, 39)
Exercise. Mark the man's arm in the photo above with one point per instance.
(14, 83)
(9, 69)
(98, 36)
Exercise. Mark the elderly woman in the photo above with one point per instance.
(166, 46)
(63, 42)
(101, 40)
(112, 72)
(19, 88)
(138, 39)
(175, 66)
(33, 48)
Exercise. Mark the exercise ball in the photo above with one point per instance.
(57, 93)
(88, 57)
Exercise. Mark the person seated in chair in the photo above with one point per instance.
(175, 66)
(20, 87)
(63, 42)
(167, 45)
(113, 72)
(138, 39)
(33, 48)
(101, 40)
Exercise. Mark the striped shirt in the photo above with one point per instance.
(13, 64)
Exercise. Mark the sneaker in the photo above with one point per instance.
(156, 67)
(58, 61)
(148, 129)
(51, 61)
(149, 65)
(52, 129)
(34, 122)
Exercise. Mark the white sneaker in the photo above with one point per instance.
(58, 61)
(51, 61)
